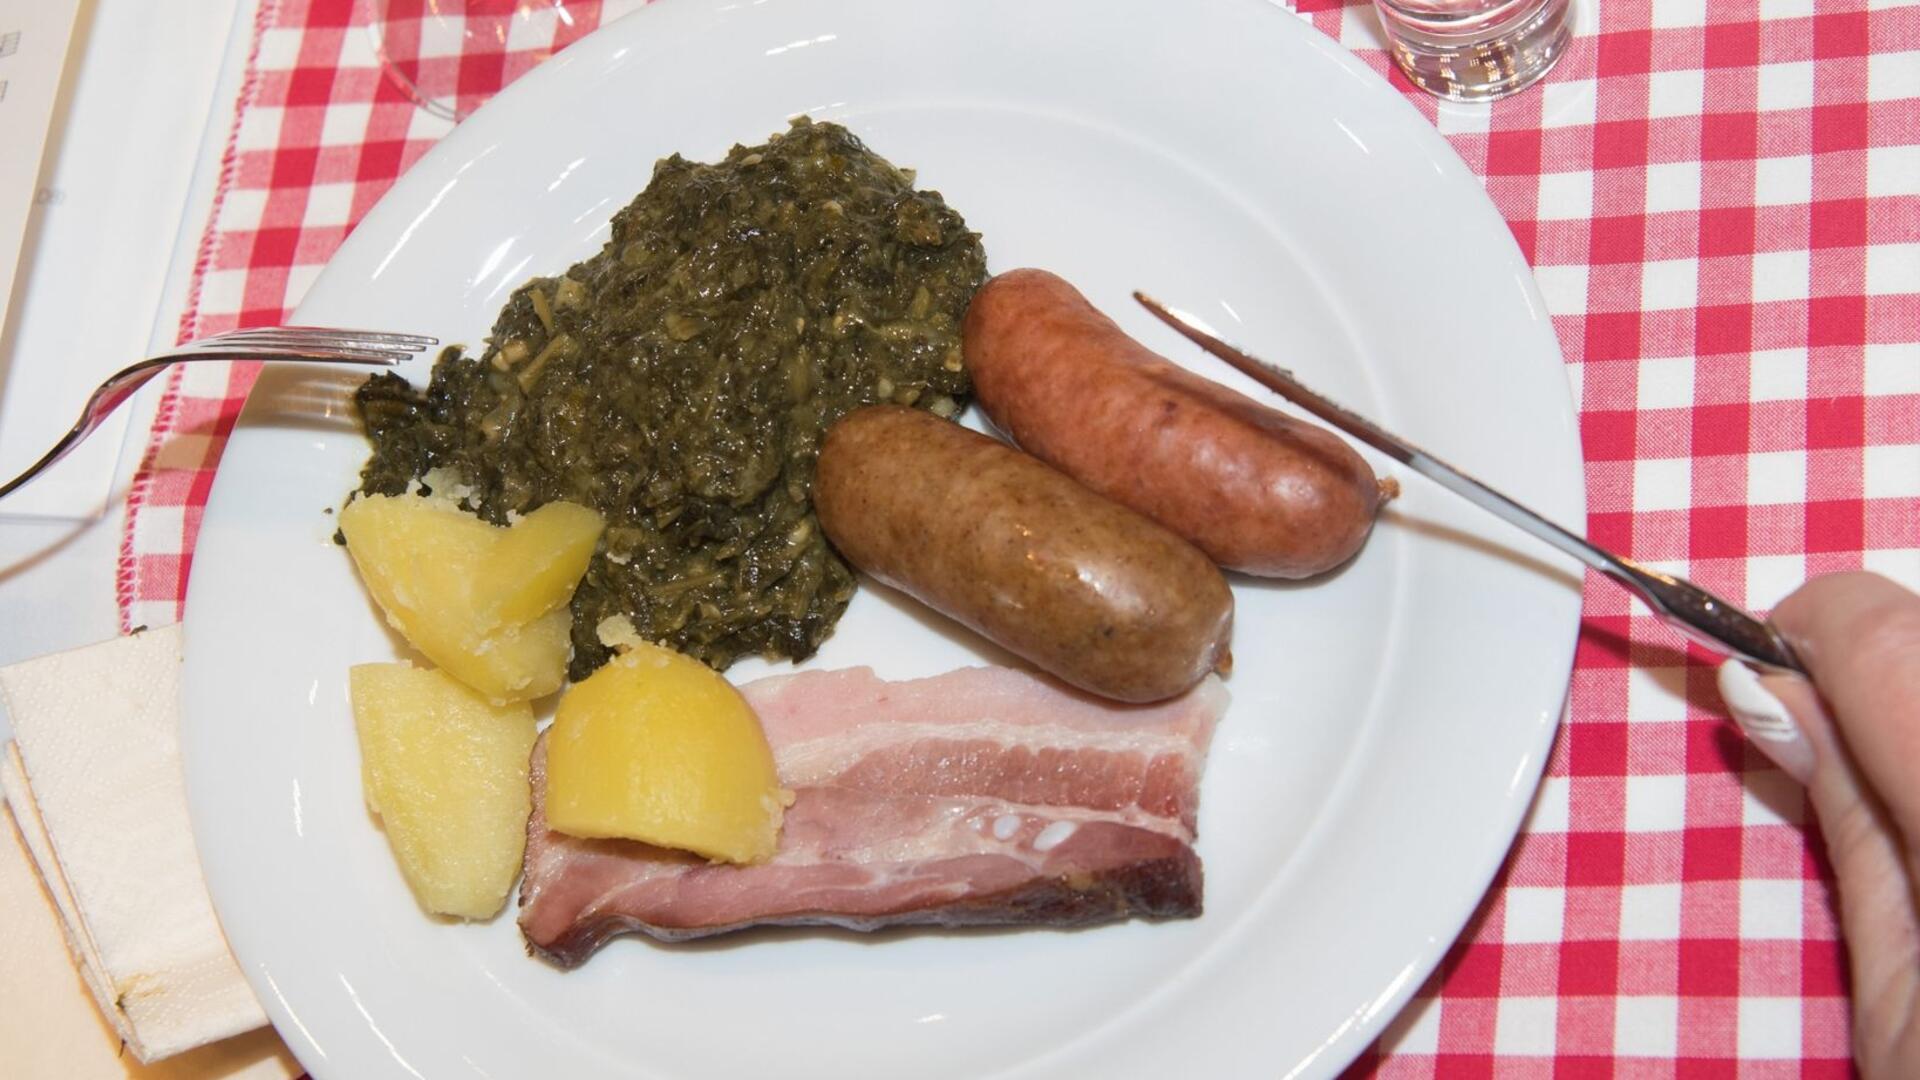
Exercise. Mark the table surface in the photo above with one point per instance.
(1722, 206)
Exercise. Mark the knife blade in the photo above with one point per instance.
(1688, 608)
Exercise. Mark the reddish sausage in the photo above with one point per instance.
(1079, 585)
(1259, 491)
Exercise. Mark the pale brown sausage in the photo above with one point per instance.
(1259, 491)
(1079, 585)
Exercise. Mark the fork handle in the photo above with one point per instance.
(115, 391)
(109, 396)
(1705, 618)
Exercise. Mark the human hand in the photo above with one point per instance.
(1852, 736)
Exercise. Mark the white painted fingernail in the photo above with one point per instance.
(1766, 720)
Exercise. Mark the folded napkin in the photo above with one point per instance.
(49, 1027)
(93, 780)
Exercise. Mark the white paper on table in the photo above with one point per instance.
(33, 52)
(128, 123)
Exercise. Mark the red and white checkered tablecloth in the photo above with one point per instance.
(1721, 203)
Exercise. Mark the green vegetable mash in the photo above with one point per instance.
(679, 381)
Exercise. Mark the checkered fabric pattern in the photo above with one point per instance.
(1722, 206)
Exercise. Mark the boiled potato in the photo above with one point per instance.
(446, 771)
(656, 746)
(537, 564)
(485, 603)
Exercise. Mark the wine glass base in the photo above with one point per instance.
(449, 56)
(1484, 63)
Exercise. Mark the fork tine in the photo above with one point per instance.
(315, 335)
(302, 342)
(370, 335)
(312, 354)
(310, 341)
(289, 347)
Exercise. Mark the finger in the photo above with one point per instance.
(1859, 636)
(1876, 893)
(1767, 722)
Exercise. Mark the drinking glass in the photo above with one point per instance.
(450, 56)
(1475, 50)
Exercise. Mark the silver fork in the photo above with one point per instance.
(309, 344)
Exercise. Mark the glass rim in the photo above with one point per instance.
(1455, 20)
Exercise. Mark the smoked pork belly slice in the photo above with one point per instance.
(985, 796)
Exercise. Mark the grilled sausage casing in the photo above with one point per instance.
(1079, 585)
(1259, 491)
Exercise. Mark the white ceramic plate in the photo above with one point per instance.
(1389, 723)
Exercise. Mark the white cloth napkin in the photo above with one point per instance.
(93, 779)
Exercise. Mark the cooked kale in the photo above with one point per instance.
(679, 382)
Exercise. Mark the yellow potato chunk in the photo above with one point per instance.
(446, 771)
(656, 746)
(538, 563)
(485, 603)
